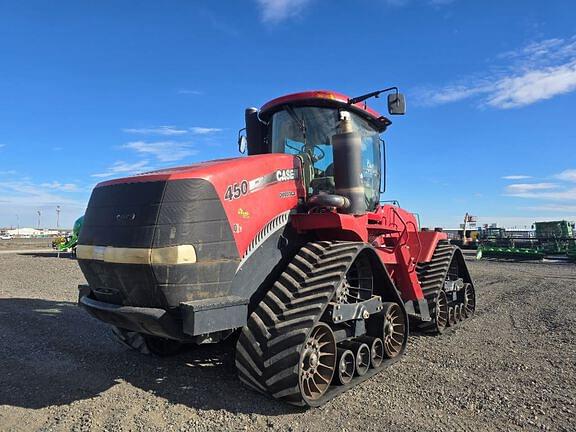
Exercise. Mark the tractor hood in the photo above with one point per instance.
(182, 231)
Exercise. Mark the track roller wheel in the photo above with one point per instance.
(452, 316)
(377, 353)
(346, 366)
(317, 362)
(362, 354)
(460, 312)
(362, 359)
(469, 300)
(376, 349)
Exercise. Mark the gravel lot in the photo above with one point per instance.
(510, 368)
(22, 244)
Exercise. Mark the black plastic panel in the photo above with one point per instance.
(159, 214)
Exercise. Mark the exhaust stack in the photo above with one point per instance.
(347, 147)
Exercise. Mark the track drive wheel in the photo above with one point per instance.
(146, 344)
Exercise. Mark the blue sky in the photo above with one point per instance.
(91, 90)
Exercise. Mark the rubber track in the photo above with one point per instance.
(268, 349)
(432, 276)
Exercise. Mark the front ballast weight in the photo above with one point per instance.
(320, 330)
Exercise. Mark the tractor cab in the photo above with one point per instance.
(307, 124)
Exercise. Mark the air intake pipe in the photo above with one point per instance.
(347, 148)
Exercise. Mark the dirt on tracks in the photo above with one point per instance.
(512, 367)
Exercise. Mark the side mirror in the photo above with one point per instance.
(242, 141)
(396, 104)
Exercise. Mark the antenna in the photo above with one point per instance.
(57, 217)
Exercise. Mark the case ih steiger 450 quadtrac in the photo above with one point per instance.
(289, 251)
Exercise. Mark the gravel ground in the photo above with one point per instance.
(22, 244)
(512, 367)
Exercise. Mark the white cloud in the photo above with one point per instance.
(553, 208)
(159, 130)
(516, 177)
(274, 11)
(567, 175)
(559, 191)
(173, 131)
(124, 168)
(533, 86)
(196, 130)
(8, 172)
(539, 71)
(23, 197)
(63, 187)
(164, 151)
(527, 187)
(557, 195)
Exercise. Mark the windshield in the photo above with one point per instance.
(308, 131)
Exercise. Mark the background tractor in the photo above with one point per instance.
(287, 252)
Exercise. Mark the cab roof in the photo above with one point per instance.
(325, 98)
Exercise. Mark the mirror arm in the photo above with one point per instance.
(374, 94)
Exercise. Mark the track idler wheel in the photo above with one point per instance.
(346, 366)
(390, 327)
(317, 362)
(469, 301)
(394, 329)
(442, 312)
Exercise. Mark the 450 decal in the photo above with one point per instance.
(236, 190)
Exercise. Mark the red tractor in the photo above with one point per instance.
(287, 252)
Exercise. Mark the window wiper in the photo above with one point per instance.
(299, 122)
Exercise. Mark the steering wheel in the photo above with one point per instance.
(320, 156)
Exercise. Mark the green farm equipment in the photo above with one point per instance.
(517, 253)
(69, 243)
(555, 238)
(571, 252)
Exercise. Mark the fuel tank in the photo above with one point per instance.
(183, 234)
